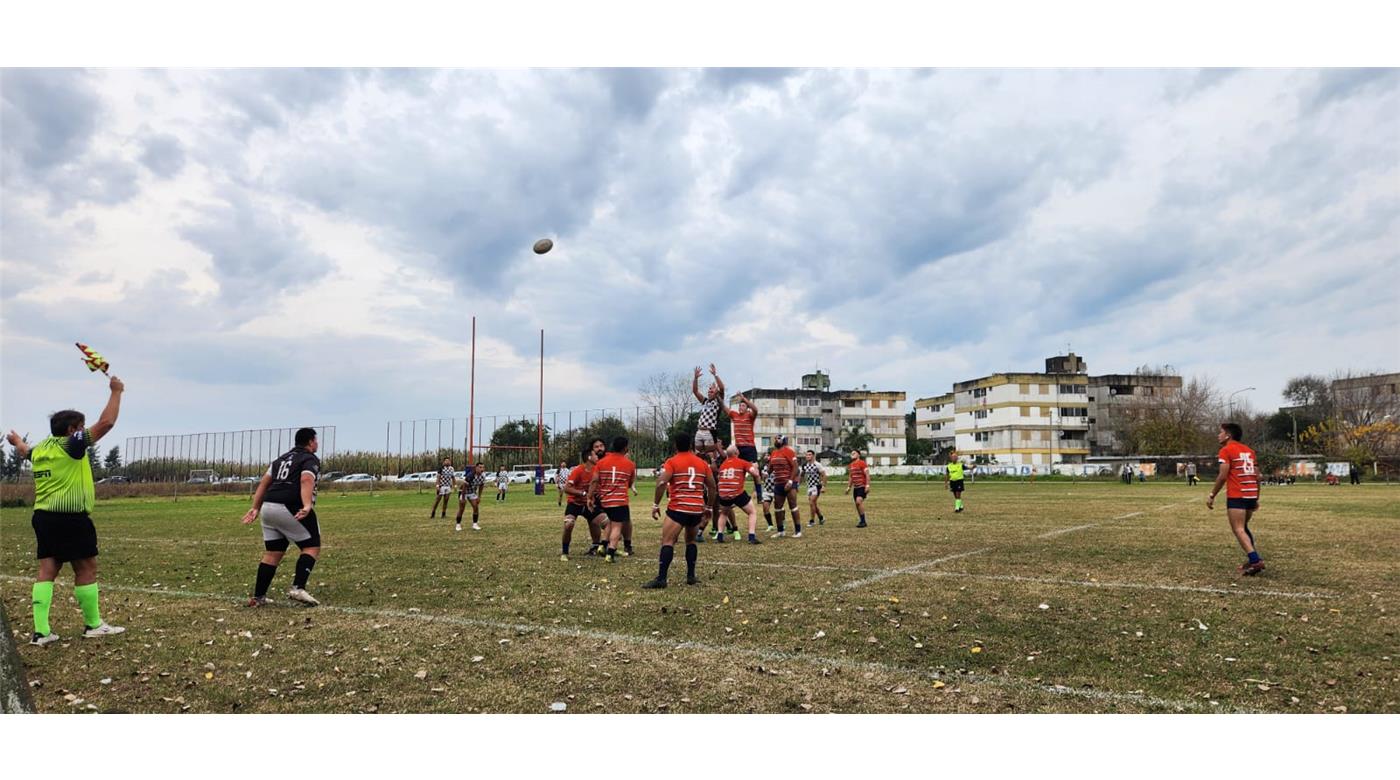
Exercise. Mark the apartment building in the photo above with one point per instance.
(816, 417)
(1112, 400)
(933, 420)
(1025, 419)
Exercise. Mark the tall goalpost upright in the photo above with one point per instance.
(472, 446)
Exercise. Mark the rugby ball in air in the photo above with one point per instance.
(543, 245)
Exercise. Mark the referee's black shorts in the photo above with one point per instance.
(65, 536)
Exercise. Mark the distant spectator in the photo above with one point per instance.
(1355, 474)
(1127, 474)
(1191, 474)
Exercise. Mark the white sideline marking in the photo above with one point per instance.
(1053, 534)
(1287, 594)
(1014, 683)
(886, 574)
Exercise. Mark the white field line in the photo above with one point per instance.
(1013, 683)
(886, 574)
(1287, 594)
(250, 543)
(1048, 580)
(794, 566)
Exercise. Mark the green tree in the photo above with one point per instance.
(113, 460)
(855, 438)
(11, 466)
(92, 459)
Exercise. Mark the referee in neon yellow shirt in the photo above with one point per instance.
(954, 479)
(63, 497)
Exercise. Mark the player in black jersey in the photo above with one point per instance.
(286, 499)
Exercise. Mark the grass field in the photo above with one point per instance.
(1052, 597)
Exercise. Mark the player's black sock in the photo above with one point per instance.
(266, 571)
(691, 554)
(304, 565)
(781, 518)
(566, 548)
(612, 552)
(474, 515)
(667, 553)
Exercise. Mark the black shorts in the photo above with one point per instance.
(687, 519)
(575, 510)
(742, 500)
(618, 514)
(857, 492)
(1242, 503)
(66, 536)
(748, 452)
(955, 485)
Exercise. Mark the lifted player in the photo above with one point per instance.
(690, 483)
(612, 478)
(446, 480)
(783, 462)
(741, 422)
(953, 477)
(576, 488)
(473, 482)
(732, 473)
(286, 500)
(858, 483)
(815, 475)
(710, 404)
(1239, 477)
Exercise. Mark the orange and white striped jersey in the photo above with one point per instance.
(783, 462)
(741, 424)
(1243, 479)
(578, 479)
(732, 474)
(615, 474)
(860, 473)
(687, 484)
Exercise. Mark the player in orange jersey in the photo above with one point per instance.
(576, 488)
(731, 490)
(859, 483)
(783, 463)
(1239, 476)
(612, 478)
(690, 483)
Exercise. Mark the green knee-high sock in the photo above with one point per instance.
(43, 599)
(87, 599)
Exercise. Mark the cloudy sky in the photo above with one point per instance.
(261, 248)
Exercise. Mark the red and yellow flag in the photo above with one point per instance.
(94, 361)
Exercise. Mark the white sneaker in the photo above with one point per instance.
(797, 535)
(778, 535)
(476, 527)
(300, 594)
(39, 640)
(103, 630)
(459, 526)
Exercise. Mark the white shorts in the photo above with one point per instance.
(502, 485)
(278, 522)
(813, 492)
(445, 490)
(704, 438)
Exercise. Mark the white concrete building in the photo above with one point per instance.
(1035, 419)
(933, 420)
(817, 418)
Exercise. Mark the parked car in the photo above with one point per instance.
(113, 481)
(421, 476)
(550, 474)
(356, 478)
(331, 476)
(518, 477)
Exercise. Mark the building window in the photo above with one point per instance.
(980, 392)
(1045, 389)
(1025, 435)
(809, 422)
(850, 404)
(1073, 411)
(982, 436)
(1071, 389)
(1025, 388)
(980, 414)
(1025, 411)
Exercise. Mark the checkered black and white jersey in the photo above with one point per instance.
(813, 472)
(709, 414)
(767, 481)
(445, 476)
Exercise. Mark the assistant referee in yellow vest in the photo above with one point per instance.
(63, 498)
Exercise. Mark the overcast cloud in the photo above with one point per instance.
(276, 247)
